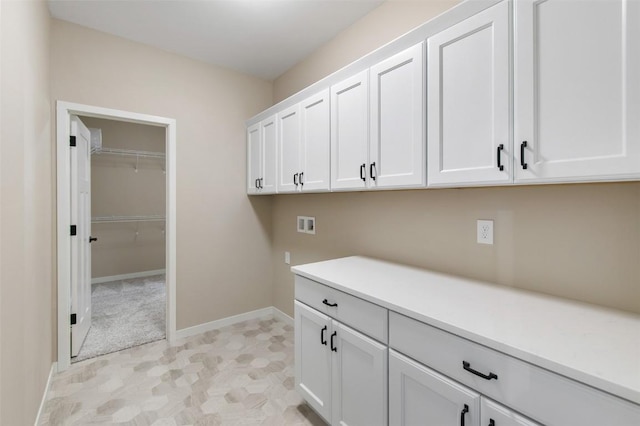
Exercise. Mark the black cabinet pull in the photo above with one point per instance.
(256, 184)
(492, 422)
(333, 305)
(467, 367)
(322, 339)
(300, 178)
(500, 148)
(523, 145)
(464, 411)
(362, 172)
(372, 167)
(261, 185)
(92, 239)
(295, 179)
(333, 348)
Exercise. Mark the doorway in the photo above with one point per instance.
(127, 238)
(165, 229)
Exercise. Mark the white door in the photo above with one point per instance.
(289, 149)
(359, 378)
(577, 89)
(421, 396)
(494, 414)
(269, 140)
(254, 156)
(397, 141)
(350, 132)
(80, 244)
(313, 358)
(314, 154)
(468, 101)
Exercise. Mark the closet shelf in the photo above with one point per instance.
(129, 152)
(144, 218)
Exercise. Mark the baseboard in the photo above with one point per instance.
(278, 314)
(52, 371)
(213, 325)
(142, 274)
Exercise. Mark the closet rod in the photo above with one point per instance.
(145, 218)
(129, 152)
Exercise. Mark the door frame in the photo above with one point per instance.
(64, 110)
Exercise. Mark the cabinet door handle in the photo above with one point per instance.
(372, 167)
(523, 145)
(333, 305)
(467, 367)
(256, 184)
(322, 339)
(295, 179)
(492, 422)
(362, 172)
(92, 239)
(261, 183)
(333, 348)
(464, 411)
(300, 178)
(500, 148)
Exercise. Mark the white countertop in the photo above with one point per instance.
(591, 344)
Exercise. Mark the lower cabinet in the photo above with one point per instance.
(421, 396)
(340, 372)
(494, 414)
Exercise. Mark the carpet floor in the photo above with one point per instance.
(125, 313)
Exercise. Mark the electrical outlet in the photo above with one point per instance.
(301, 224)
(287, 258)
(311, 225)
(485, 231)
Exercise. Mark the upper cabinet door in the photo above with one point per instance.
(254, 158)
(468, 106)
(397, 153)
(289, 149)
(316, 139)
(350, 132)
(269, 142)
(577, 90)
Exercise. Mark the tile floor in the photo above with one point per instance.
(238, 375)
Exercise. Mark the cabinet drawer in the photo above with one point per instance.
(365, 317)
(535, 392)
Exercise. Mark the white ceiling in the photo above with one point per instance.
(259, 37)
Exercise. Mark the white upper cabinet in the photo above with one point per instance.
(314, 151)
(397, 142)
(289, 149)
(577, 90)
(261, 157)
(468, 106)
(350, 132)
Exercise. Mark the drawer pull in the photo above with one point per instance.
(333, 348)
(492, 422)
(322, 339)
(464, 411)
(333, 305)
(467, 367)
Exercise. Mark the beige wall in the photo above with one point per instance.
(385, 23)
(576, 241)
(117, 189)
(26, 200)
(223, 237)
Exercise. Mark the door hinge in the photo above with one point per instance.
(73, 319)
(72, 141)
(73, 230)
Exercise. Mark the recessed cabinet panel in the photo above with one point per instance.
(421, 396)
(577, 82)
(254, 157)
(468, 101)
(313, 358)
(289, 149)
(350, 132)
(397, 155)
(270, 160)
(359, 378)
(315, 147)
